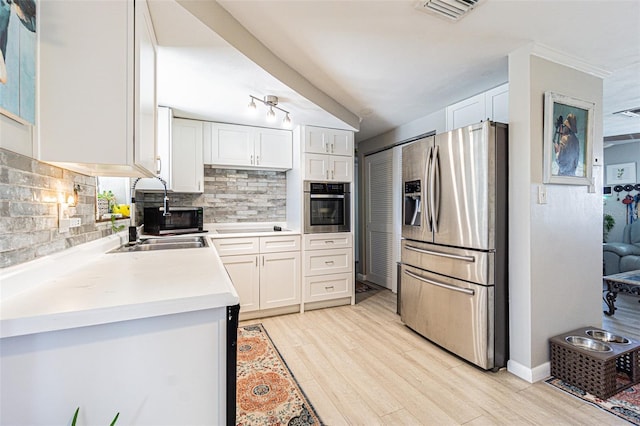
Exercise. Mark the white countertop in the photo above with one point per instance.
(86, 286)
(247, 229)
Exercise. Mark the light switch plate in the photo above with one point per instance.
(542, 194)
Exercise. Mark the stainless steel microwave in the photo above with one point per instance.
(327, 207)
(181, 220)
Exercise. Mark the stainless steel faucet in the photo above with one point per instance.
(134, 231)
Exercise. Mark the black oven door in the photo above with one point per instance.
(326, 213)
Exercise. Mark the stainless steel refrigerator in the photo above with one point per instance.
(454, 250)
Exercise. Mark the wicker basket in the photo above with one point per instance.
(602, 374)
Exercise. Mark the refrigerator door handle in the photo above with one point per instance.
(470, 259)
(435, 188)
(468, 291)
(427, 186)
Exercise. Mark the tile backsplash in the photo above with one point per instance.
(230, 196)
(29, 194)
(30, 190)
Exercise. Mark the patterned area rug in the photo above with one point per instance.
(625, 404)
(362, 287)
(267, 394)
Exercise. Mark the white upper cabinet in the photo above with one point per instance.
(328, 154)
(180, 151)
(497, 103)
(328, 141)
(247, 147)
(273, 148)
(187, 167)
(97, 87)
(491, 105)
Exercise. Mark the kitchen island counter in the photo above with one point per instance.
(145, 334)
(89, 286)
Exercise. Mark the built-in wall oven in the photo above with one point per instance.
(327, 207)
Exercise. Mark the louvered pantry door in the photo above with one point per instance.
(379, 218)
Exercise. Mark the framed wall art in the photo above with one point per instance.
(568, 140)
(18, 41)
(621, 173)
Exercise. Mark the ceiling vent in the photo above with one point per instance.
(452, 10)
(629, 112)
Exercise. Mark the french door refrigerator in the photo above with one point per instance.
(454, 247)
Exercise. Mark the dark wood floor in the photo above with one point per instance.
(626, 320)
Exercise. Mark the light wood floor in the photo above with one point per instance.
(626, 320)
(359, 365)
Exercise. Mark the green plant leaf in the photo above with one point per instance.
(75, 417)
(115, 419)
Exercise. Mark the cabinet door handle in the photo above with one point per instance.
(251, 159)
(325, 146)
(329, 287)
(257, 160)
(327, 174)
(328, 242)
(332, 174)
(328, 262)
(332, 147)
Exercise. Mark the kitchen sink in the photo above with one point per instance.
(168, 243)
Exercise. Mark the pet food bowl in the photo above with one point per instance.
(588, 344)
(605, 336)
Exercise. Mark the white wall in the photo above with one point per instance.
(555, 264)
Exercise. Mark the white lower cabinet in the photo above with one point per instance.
(328, 266)
(245, 275)
(324, 287)
(264, 270)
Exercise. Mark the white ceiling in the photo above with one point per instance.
(385, 61)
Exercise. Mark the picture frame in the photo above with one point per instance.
(568, 140)
(18, 61)
(621, 173)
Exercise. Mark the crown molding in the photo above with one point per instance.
(562, 58)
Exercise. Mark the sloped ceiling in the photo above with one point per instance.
(388, 63)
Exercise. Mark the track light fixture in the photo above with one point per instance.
(271, 102)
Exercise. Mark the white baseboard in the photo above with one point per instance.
(531, 375)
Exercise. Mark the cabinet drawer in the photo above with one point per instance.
(328, 241)
(280, 243)
(319, 262)
(324, 287)
(232, 246)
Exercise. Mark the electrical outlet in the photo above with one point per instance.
(75, 222)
